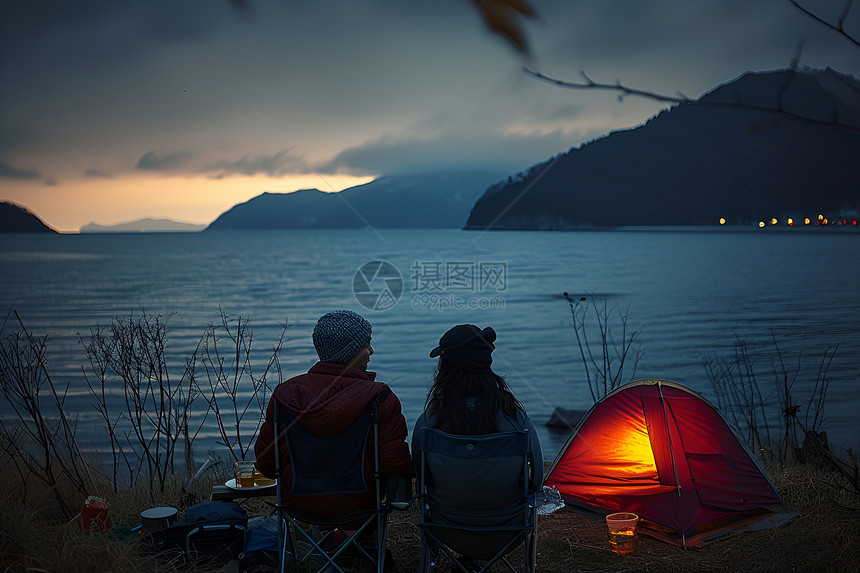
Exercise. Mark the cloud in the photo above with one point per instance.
(569, 111)
(11, 172)
(276, 165)
(452, 150)
(155, 161)
(96, 173)
(104, 31)
(13, 135)
(186, 74)
(51, 181)
(281, 163)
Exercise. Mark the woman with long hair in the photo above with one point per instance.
(467, 398)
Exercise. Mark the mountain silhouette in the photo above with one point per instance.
(17, 219)
(430, 200)
(145, 225)
(764, 146)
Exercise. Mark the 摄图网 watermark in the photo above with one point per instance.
(434, 284)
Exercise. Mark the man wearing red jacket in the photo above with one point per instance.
(326, 400)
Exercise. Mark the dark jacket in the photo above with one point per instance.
(326, 400)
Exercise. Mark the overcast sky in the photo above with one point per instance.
(111, 111)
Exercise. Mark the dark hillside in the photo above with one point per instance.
(17, 219)
(431, 200)
(696, 163)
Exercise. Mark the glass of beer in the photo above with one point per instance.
(622, 532)
(244, 472)
(260, 480)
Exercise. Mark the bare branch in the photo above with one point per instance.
(839, 27)
(740, 103)
(617, 87)
(604, 361)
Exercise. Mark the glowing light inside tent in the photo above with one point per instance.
(626, 458)
(634, 446)
(760, 224)
(790, 222)
(774, 221)
(821, 217)
(722, 220)
(806, 221)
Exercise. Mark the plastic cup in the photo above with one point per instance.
(95, 514)
(244, 472)
(622, 532)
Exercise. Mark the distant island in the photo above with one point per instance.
(18, 219)
(766, 147)
(430, 201)
(145, 225)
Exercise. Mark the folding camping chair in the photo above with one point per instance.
(475, 498)
(329, 464)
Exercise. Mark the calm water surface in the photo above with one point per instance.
(690, 292)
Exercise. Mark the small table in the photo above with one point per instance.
(226, 493)
(399, 489)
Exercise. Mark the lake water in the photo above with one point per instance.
(690, 292)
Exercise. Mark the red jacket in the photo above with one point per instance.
(326, 400)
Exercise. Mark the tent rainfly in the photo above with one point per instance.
(660, 450)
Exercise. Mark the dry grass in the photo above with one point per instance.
(34, 536)
(824, 537)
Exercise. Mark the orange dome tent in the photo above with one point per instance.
(660, 450)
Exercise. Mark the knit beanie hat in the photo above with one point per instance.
(468, 347)
(339, 335)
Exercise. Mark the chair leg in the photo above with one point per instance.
(288, 544)
(425, 557)
(381, 537)
(282, 546)
(531, 556)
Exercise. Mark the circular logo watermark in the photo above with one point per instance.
(377, 285)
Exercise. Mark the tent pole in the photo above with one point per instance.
(669, 433)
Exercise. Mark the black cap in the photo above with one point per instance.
(467, 346)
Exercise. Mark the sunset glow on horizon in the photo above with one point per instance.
(197, 200)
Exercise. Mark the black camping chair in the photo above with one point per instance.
(475, 499)
(329, 464)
